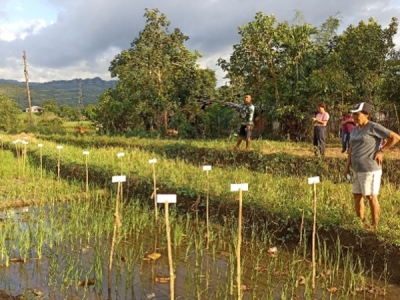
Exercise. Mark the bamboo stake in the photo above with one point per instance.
(86, 153)
(397, 117)
(152, 162)
(240, 188)
(59, 162)
(314, 181)
(41, 160)
(239, 245)
(207, 169)
(208, 211)
(120, 155)
(24, 157)
(117, 224)
(166, 199)
(170, 262)
(313, 237)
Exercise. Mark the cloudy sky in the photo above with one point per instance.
(67, 39)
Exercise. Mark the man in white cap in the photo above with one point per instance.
(365, 158)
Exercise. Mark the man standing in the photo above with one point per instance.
(347, 126)
(365, 158)
(246, 113)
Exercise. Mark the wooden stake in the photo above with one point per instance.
(301, 229)
(313, 237)
(41, 160)
(27, 88)
(87, 175)
(58, 165)
(170, 262)
(397, 117)
(155, 195)
(166, 199)
(239, 245)
(207, 211)
(117, 223)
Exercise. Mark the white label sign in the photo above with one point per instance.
(16, 141)
(170, 198)
(206, 168)
(85, 152)
(59, 147)
(40, 145)
(239, 186)
(313, 180)
(152, 161)
(25, 142)
(119, 178)
(121, 154)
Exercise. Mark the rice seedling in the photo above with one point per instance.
(279, 275)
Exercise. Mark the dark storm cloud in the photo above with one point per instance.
(88, 30)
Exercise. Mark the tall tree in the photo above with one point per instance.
(363, 51)
(156, 74)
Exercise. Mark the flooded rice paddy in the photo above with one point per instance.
(62, 251)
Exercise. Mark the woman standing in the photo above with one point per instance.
(365, 158)
(319, 122)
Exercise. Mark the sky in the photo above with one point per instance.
(68, 39)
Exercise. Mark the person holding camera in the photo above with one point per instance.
(246, 114)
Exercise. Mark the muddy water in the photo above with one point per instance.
(200, 273)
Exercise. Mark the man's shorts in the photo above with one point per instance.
(244, 133)
(367, 183)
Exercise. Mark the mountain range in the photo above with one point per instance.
(62, 91)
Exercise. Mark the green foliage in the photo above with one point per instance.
(49, 123)
(157, 77)
(9, 113)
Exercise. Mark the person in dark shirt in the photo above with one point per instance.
(247, 114)
(348, 124)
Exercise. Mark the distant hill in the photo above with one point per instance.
(63, 91)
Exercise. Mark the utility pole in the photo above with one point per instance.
(80, 98)
(27, 88)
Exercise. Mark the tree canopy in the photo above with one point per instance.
(287, 66)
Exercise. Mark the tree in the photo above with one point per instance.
(9, 111)
(90, 112)
(273, 61)
(51, 105)
(363, 51)
(156, 76)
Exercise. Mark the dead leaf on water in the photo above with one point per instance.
(301, 280)
(332, 289)
(260, 269)
(16, 259)
(154, 255)
(162, 279)
(90, 281)
(223, 253)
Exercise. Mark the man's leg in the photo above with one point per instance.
(248, 141)
(347, 141)
(359, 205)
(375, 209)
(248, 137)
(239, 141)
(344, 142)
